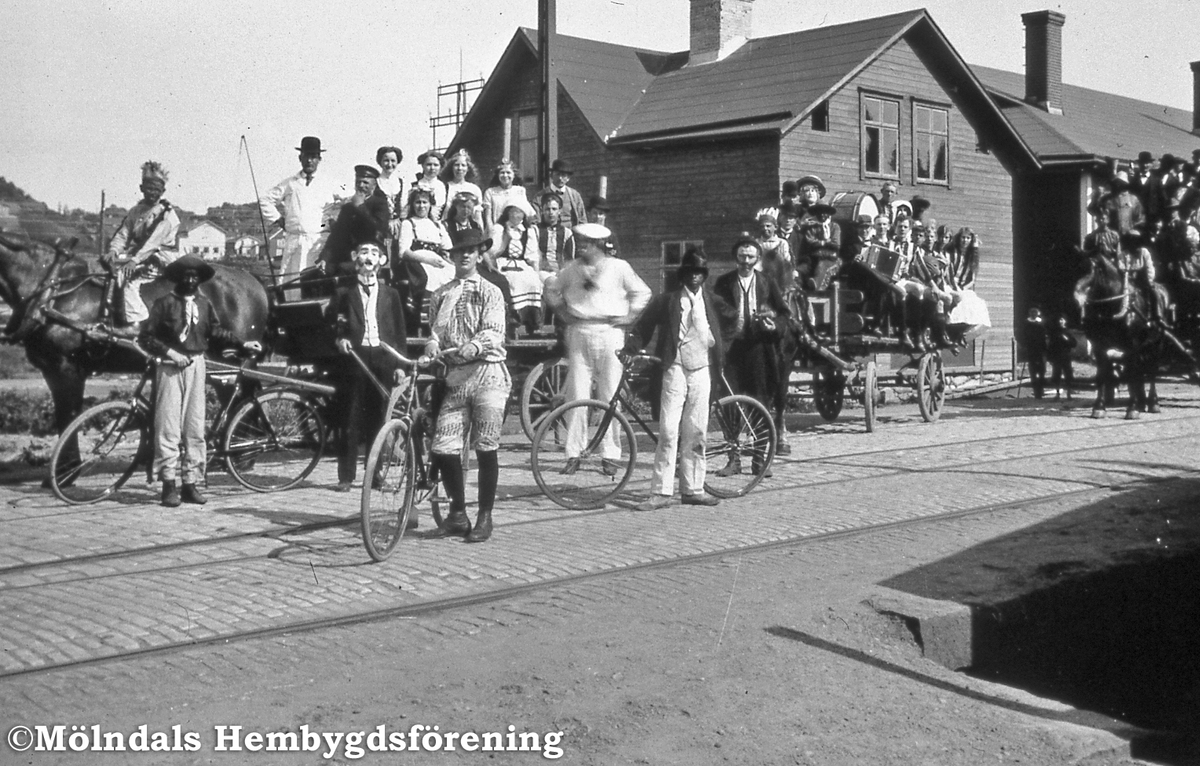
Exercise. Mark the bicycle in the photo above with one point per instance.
(268, 439)
(738, 427)
(399, 475)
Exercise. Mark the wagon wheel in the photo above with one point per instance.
(870, 394)
(543, 390)
(931, 386)
(829, 387)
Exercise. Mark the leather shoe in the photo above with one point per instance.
(192, 495)
(609, 467)
(343, 486)
(571, 467)
(732, 468)
(456, 523)
(700, 500)
(170, 495)
(656, 503)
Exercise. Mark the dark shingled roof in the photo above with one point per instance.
(1094, 124)
(788, 73)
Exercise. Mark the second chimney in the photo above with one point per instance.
(1043, 59)
(719, 27)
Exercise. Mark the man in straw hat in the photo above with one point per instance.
(145, 242)
(467, 324)
(301, 204)
(689, 344)
(595, 296)
(180, 326)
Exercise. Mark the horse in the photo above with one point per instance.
(1117, 320)
(54, 296)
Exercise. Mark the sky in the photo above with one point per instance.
(90, 89)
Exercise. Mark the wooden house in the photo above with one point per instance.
(203, 239)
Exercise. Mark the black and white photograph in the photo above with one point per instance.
(604, 382)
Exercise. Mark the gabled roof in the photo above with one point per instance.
(768, 79)
(1094, 125)
(188, 227)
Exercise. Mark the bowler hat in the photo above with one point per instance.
(310, 145)
(470, 240)
(366, 171)
(1168, 161)
(790, 189)
(747, 241)
(370, 239)
(176, 268)
(811, 181)
(693, 260)
(597, 202)
(1145, 158)
(561, 166)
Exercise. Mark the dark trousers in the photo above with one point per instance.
(1037, 374)
(1061, 372)
(360, 410)
(751, 367)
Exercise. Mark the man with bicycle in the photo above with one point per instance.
(689, 344)
(179, 329)
(595, 296)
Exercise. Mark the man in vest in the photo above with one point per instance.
(689, 344)
(144, 243)
(573, 211)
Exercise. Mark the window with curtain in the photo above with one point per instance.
(880, 137)
(931, 143)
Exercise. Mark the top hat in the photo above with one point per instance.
(822, 208)
(811, 181)
(470, 240)
(597, 202)
(693, 260)
(176, 268)
(561, 166)
(1145, 158)
(310, 145)
(790, 188)
(366, 171)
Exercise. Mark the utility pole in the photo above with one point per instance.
(548, 129)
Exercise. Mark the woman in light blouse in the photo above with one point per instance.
(424, 243)
(431, 163)
(515, 254)
(503, 193)
(459, 175)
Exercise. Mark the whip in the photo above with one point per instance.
(262, 221)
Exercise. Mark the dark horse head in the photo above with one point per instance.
(1117, 322)
(36, 276)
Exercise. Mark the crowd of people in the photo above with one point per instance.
(471, 263)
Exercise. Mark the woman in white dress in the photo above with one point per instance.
(516, 256)
(969, 313)
(423, 246)
(390, 187)
(459, 175)
(503, 193)
(431, 163)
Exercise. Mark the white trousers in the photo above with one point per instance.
(179, 417)
(300, 251)
(682, 426)
(135, 307)
(592, 363)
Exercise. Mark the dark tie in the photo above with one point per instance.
(746, 309)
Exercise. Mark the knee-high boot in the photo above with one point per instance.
(489, 474)
(456, 521)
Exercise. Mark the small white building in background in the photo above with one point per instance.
(247, 246)
(203, 239)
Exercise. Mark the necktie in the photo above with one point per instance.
(192, 315)
(746, 308)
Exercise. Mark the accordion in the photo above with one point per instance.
(884, 263)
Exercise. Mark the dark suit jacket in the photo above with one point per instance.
(354, 224)
(347, 308)
(663, 314)
(767, 295)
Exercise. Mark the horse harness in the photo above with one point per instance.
(30, 315)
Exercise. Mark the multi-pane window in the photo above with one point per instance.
(931, 143)
(881, 136)
(524, 149)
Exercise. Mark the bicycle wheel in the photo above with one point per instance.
(739, 447)
(931, 386)
(569, 448)
(542, 391)
(387, 494)
(99, 451)
(273, 441)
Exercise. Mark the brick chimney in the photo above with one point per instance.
(1196, 98)
(1043, 59)
(719, 27)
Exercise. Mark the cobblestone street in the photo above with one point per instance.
(127, 577)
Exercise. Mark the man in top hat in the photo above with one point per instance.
(466, 322)
(595, 296)
(366, 314)
(179, 328)
(820, 247)
(754, 311)
(687, 322)
(1123, 208)
(301, 205)
(365, 216)
(573, 210)
(144, 243)
(1143, 182)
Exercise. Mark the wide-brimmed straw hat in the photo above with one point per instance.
(176, 268)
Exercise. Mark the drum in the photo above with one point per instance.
(849, 206)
